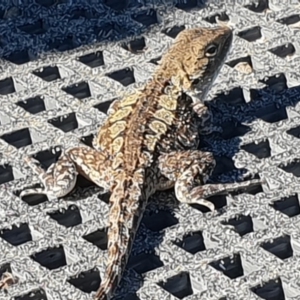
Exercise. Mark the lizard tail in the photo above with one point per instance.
(127, 206)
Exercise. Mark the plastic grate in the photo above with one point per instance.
(63, 62)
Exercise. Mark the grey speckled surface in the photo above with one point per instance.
(62, 62)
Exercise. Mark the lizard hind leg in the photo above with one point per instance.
(190, 171)
(58, 180)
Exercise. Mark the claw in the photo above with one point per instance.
(7, 280)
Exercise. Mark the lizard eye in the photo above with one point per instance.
(211, 50)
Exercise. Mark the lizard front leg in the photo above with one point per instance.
(189, 170)
(60, 177)
(205, 119)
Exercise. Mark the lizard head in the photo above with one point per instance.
(195, 59)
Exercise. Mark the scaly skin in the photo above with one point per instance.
(148, 143)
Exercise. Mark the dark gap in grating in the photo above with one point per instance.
(283, 50)
(37, 27)
(93, 60)
(271, 113)
(294, 132)
(51, 258)
(271, 290)
(255, 94)
(259, 7)
(260, 150)
(253, 190)
(234, 96)
(6, 173)
(18, 139)
(33, 295)
(80, 13)
(67, 217)
(192, 242)
(88, 140)
(293, 167)
(219, 201)
(147, 17)
(135, 46)
(7, 86)
(104, 197)
(276, 83)
(5, 268)
(63, 45)
(47, 157)
(110, 31)
(187, 5)
(82, 182)
(33, 105)
(18, 58)
(229, 266)
(48, 3)
(290, 20)
(155, 61)
(232, 129)
(217, 17)
(124, 76)
(104, 106)
(280, 247)
(79, 90)
(116, 4)
(34, 199)
(174, 31)
(48, 73)
(87, 281)
(98, 238)
(17, 235)
(251, 34)
(131, 296)
(242, 224)
(232, 64)
(144, 263)
(159, 221)
(288, 206)
(223, 165)
(65, 124)
(179, 286)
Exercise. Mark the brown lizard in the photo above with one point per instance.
(149, 143)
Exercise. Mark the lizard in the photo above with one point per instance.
(148, 143)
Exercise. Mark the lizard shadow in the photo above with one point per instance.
(234, 116)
